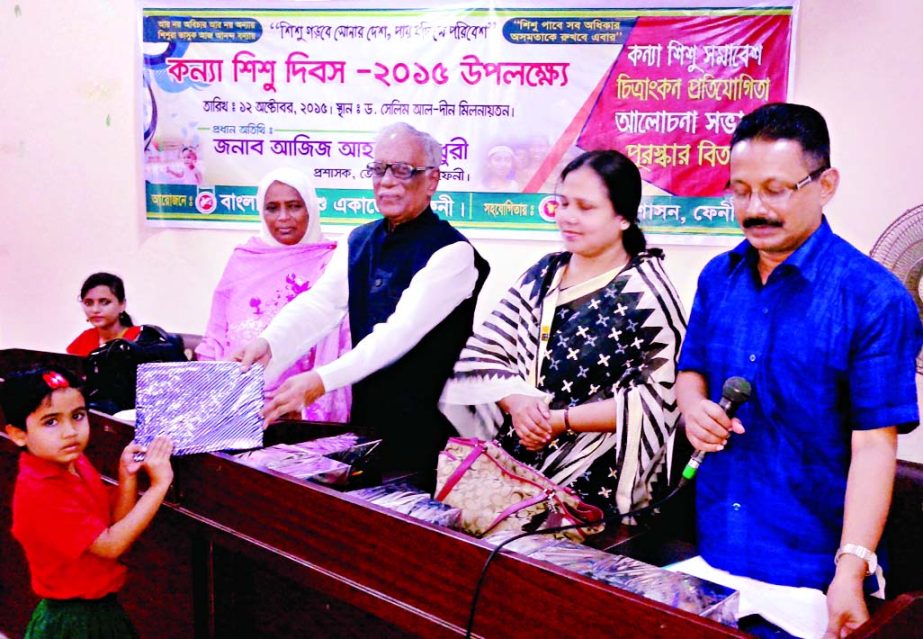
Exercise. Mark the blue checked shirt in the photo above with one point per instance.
(829, 345)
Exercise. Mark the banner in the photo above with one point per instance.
(513, 94)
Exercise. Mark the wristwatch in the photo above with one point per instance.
(862, 553)
(567, 427)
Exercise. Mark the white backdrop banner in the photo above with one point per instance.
(513, 94)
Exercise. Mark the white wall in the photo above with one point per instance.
(71, 196)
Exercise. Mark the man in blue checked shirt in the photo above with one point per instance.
(828, 339)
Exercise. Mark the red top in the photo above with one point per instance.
(56, 517)
(88, 340)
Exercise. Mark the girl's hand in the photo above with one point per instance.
(157, 462)
(128, 467)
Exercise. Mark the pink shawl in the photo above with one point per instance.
(257, 282)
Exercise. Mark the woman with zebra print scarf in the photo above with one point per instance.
(573, 372)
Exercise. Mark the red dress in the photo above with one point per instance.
(88, 340)
(56, 517)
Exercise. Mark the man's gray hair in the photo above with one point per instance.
(432, 150)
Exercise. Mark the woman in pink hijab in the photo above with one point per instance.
(269, 271)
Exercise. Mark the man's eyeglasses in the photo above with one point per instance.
(400, 170)
(773, 194)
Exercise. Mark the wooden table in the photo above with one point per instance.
(242, 552)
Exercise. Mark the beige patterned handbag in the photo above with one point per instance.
(495, 492)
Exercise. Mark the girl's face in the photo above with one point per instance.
(285, 213)
(101, 307)
(585, 216)
(58, 430)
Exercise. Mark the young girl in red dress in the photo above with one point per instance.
(71, 527)
(103, 298)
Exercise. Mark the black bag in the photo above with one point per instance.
(112, 368)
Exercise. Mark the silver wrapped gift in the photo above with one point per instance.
(201, 406)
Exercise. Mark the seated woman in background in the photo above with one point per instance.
(103, 298)
(269, 271)
(573, 371)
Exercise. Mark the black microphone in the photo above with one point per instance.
(736, 391)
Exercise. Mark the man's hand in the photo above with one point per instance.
(708, 426)
(531, 419)
(293, 395)
(868, 496)
(846, 607)
(255, 352)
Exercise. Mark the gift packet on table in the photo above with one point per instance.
(399, 496)
(437, 513)
(359, 453)
(314, 467)
(801, 612)
(560, 552)
(698, 596)
(676, 589)
(409, 500)
(201, 406)
(327, 460)
(329, 445)
(264, 457)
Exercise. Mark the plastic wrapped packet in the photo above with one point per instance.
(437, 513)
(402, 501)
(692, 594)
(560, 552)
(360, 454)
(394, 491)
(348, 455)
(409, 500)
(675, 589)
(314, 468)
(571, 555)
(201, 406)
(263, 457)
(328, 445)
(524, 546)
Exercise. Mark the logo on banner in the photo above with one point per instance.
(548, 207)
(205, 202)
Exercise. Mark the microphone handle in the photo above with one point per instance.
(692, 466)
